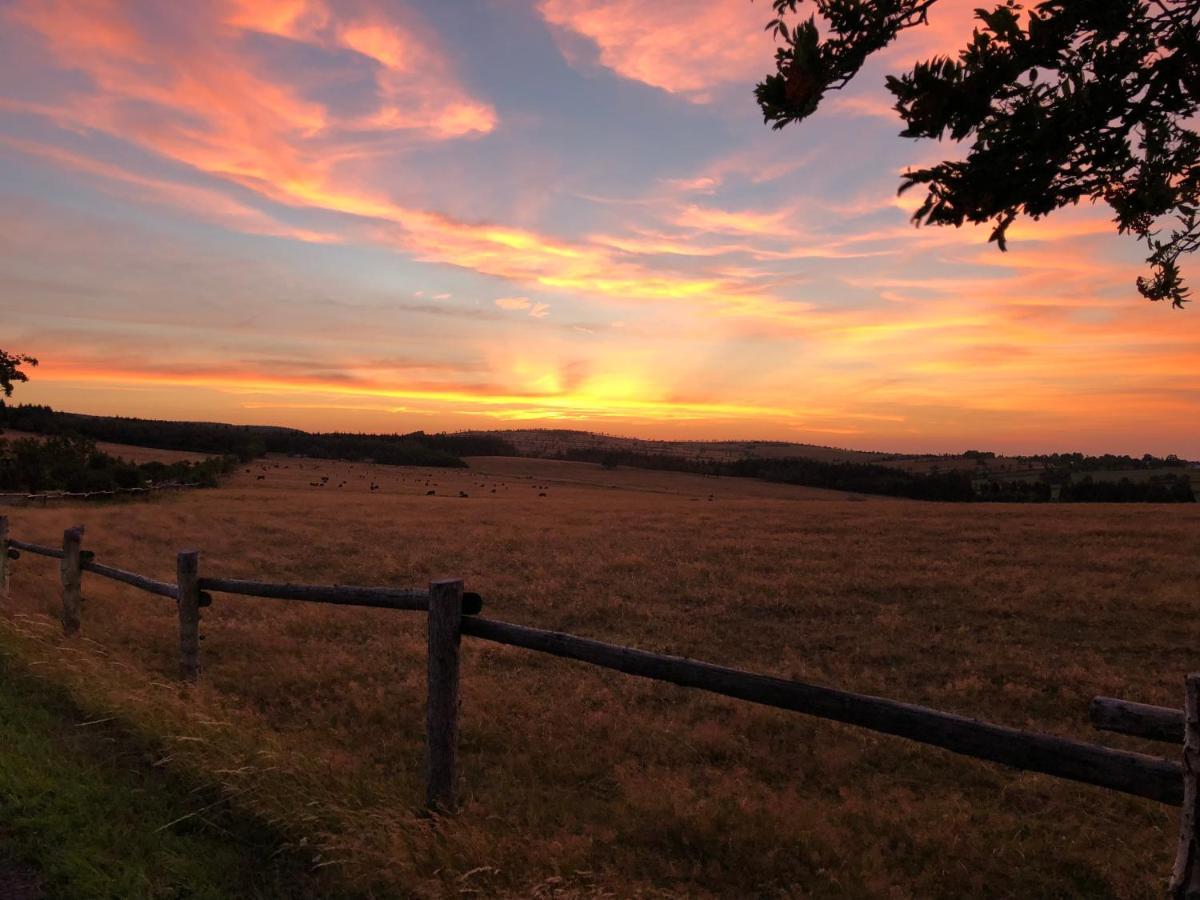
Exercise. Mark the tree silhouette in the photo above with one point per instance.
(10, 370)
(1070, 100)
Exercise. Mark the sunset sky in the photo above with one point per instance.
(394, 216)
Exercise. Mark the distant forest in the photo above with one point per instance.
(247, 442)
(953, 486)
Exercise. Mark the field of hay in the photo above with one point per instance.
(585, 782)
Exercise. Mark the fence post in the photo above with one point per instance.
(72, 578)
(4, 556)
(1185, 879)
(187, 575)
(441, 711)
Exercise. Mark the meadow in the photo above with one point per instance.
(580, 782)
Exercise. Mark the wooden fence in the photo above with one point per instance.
(451, 613)
(45, 499)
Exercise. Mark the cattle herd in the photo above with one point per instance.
(378, 479)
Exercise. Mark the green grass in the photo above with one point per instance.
(84, 805)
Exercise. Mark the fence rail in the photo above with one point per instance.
(1155, 723)
(21, 498)
(1119, 770)
(452, 613)
(149, 585)
(345, 595)
(34, 548)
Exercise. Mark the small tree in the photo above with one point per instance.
(1072, 100)
(10, 370)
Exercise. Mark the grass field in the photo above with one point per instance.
(583, 782)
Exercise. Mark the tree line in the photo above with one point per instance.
(73, 463)
(870, 478)
(247, 442)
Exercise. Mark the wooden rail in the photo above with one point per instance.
(344, 595)
(1118, 770)
(1156, 723)
(35, 548)
(149, 585)
(14, 498)
(452, 613)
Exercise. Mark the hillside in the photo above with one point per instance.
(969, 476)
(540, 442)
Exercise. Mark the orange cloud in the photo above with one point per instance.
(680, 46)
(218, 111)
(217, 108)
(692, 49)
(536, 310)
(417, 87)
(199, 202)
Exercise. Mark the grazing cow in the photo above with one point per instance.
(430, 493)
(463, 494)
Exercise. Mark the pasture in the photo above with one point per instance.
(582, 782)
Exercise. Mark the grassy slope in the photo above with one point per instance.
(84, 805)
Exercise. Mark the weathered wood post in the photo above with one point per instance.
(4, 567)
(72, 578)
(187, 577)
(1185, 879)
(441, 711)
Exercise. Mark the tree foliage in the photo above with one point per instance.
(1069, 100)
(10, 370)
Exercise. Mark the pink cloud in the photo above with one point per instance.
(517, 304)
(680, 46)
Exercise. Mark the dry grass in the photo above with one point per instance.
(582, 782)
